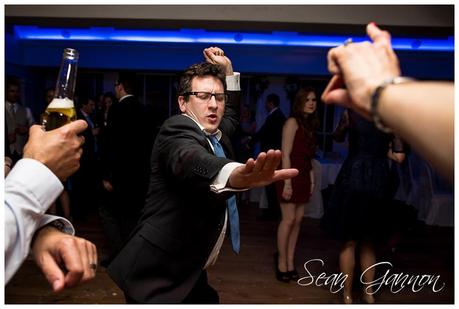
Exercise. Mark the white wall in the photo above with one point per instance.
(395, 15)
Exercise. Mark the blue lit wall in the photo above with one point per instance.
(276, 53)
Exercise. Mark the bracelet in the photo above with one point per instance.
(375, 101)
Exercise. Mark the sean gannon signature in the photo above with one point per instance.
(396, 281)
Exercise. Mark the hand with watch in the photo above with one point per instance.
(366, 69)
(367, 79)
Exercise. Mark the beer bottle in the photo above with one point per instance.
(61, 110)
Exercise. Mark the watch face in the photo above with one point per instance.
(58, 224)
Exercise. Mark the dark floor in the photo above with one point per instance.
(249, 277)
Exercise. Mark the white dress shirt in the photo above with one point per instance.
(30, 189)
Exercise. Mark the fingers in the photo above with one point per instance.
(287, 193)
(378, 36)
(69, 251)
(259, 162)
(285, 173)
(74, 255)
(273, 158)
(218, 51)
(52, 272)
(88, 259)
(249, 166)
(267, 162)
(211, 52)
(382, 41)
(207, 55)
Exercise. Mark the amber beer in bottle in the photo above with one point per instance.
(61, 110)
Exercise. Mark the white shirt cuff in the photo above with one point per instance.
(38, 179)
(219, 184)
(233, 82)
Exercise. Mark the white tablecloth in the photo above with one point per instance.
(325, 174)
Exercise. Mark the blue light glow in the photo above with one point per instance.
(276, 38)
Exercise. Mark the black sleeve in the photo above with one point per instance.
(230, 121)
(183, 152)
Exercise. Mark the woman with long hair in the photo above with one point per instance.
(298, 147)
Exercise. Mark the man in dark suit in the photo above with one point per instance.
(86, 182)
(126, 151)
(270, 137)
(185, 214)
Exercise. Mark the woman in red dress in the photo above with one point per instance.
(298, 147)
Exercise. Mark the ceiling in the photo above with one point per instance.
(430, 20)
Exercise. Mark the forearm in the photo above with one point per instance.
(423, 114)
(286, 163)
(26, 200)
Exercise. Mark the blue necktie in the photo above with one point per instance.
(230, 203)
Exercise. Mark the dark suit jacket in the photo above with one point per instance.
(182, 218)
(270, 134)
(126, 150)
(89, 141)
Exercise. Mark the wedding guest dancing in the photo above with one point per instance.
(189, 204)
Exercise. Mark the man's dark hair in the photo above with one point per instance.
(109, 95)
(84, 99)
(128, 82)
(273, 98)
(11, 82)
(199, 70)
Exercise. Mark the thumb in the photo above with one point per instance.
(35, 130)
(338, 96)
(77, 126)
(336, 82)
(52, 272)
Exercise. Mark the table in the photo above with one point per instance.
(325, 173)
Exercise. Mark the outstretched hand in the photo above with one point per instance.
(216, 55)
(260, 172)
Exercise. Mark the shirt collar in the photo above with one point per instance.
(217, 134)
(126, 96)
(10, 105)
(273, 110)
(84, 113)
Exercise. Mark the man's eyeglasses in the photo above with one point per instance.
(206, 96)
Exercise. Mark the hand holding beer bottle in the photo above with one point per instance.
(61, 110)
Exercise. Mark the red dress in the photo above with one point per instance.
(300, 158)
